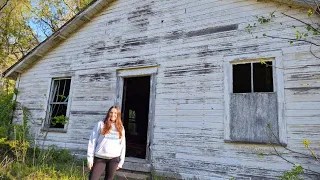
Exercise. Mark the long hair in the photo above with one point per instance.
(118, 122)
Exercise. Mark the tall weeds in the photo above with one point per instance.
(18, 160)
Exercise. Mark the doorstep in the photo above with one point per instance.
(136, 164)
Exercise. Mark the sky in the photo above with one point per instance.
(36, 26)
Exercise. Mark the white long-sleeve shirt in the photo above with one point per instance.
(106, 146)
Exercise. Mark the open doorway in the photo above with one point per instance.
(135, 111)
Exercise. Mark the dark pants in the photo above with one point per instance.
(109, 165)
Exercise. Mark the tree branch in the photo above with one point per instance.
(4, 5)
(286, 147)
(308, 24)
(48, 24)
(313, 53)
(302, 40)
(69, 7)
(278, 154)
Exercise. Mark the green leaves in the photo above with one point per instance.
(264, 20)
(300, 35)
(16, 35)
(315, 33)
(249, 27)
(59, 120)
(263, 62)
(294, 174)
(309, 28)
(310, 12)
(261, 155)
(62, 96)
(24, 23)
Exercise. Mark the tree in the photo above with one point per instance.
(16, 36)
(50, 15)
(25, 23)
(306, 30)
(3, 5)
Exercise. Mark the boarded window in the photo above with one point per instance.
(253, 104)
(58, 103)
(250, 114)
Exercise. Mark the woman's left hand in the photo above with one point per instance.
(118, 168)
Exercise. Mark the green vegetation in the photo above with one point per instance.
(19, 160)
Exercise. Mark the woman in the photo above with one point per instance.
(107, 146)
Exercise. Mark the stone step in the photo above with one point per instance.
(130, 175)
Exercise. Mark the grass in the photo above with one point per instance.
(20, 161)
(51, 163)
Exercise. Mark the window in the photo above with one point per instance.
(132, 122)
(58, 103)
(253, 104)
(254, 96)
(252, 77)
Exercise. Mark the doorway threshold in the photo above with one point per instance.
(136, 164)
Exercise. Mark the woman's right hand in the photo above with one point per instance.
(90, 165)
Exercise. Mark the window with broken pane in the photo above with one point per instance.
(58, 103)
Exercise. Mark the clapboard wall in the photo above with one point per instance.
(188, 40)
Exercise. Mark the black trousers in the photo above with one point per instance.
(109, 165)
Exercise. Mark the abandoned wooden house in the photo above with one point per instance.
(195, 96)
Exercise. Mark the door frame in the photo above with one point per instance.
(138, 72)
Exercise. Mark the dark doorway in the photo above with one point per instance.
(135, 111)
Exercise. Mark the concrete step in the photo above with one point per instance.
(130, 175)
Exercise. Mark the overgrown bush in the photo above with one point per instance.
(7, 106)
(20, 161)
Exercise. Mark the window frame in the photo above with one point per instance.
(278, 88)
(251, 62)
(49, 102)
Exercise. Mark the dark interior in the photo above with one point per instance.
(262, 77)
(241, 78)
(58, 106)
(135, 111)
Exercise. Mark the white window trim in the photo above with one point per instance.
(48, 95)
(136, 72)
(278, 83)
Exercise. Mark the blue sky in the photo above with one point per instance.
(37, 26)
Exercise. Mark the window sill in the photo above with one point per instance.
(59, 130)
(255, 143)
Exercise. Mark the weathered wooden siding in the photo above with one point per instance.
(188, 39)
